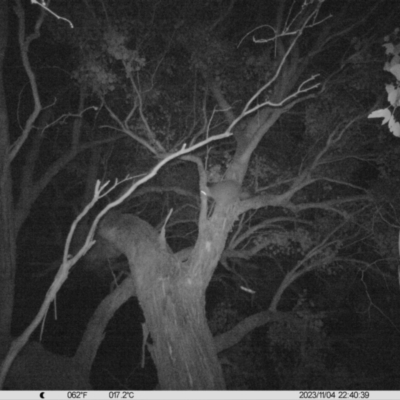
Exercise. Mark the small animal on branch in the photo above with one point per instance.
(225, 192)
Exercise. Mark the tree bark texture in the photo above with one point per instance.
(173, 304)
(7, 235)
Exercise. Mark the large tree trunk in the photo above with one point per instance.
(173, 303)
(183, 349)
(37, 368)
(7, 235)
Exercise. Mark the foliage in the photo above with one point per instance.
(299, 348)
(389, 114)
(223, 317)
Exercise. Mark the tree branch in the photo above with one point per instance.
(24, 44)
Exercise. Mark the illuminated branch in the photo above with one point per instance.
(24, 43)
(42, 3)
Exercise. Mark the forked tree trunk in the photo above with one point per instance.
(173, 302)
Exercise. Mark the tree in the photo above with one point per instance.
(15, 209)
(7, 238)
(305, 204)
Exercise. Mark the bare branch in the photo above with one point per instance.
(24, 43)
(43, 4)
(334, 137)
(150, 133)
(128, 131)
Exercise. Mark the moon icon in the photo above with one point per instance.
(41, 395)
